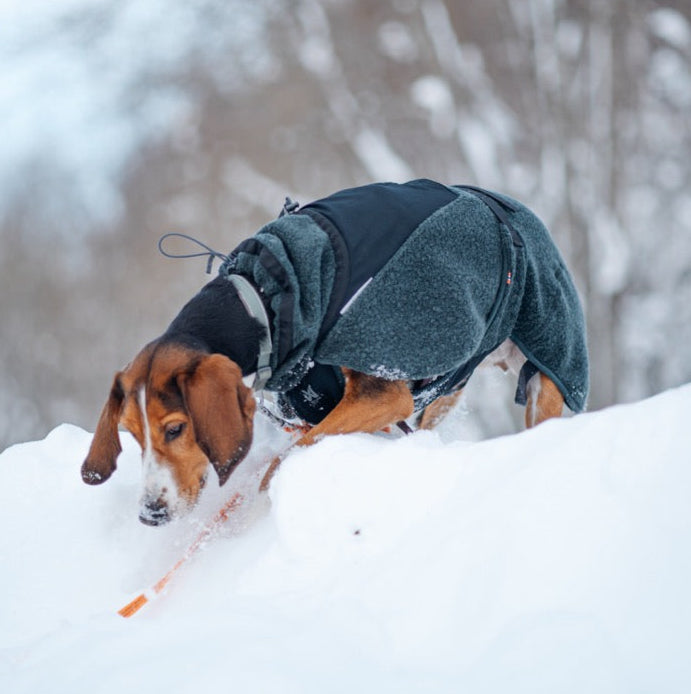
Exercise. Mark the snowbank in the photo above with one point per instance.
(555, 560)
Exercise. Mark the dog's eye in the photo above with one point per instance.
(173, 431)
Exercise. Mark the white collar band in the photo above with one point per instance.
(255, 308)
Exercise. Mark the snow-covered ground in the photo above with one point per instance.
(555, 560)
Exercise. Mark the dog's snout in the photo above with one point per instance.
(154, 512)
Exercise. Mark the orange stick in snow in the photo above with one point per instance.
(221, 517)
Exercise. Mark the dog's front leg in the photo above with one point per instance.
(369, 404)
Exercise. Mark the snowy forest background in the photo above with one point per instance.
(122, 121)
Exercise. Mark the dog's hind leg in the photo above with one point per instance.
(436, 411)
(544, 400)
(368, 404)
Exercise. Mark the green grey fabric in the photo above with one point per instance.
(306, 257)
(443, 299)
(427, 311)
(550, 328)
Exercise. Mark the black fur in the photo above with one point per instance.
(216, 321)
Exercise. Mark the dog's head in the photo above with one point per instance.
(186, 409)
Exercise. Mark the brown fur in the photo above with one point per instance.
(548, 403)
(202, 393)
(437, 410)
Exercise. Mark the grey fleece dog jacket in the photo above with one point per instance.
(416, 281)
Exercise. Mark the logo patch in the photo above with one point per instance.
(310, 396)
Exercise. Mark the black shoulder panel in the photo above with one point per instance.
(374, 221)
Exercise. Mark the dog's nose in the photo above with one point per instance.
(154, 512)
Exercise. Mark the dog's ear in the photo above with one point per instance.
(105, 447)
(221, 408)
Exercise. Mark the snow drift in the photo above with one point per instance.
(555, 560)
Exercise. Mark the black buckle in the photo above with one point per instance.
(289, 207)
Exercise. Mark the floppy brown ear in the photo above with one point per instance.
(222, 408)
(105, 447)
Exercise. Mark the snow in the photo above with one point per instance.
(85, 87)
(434, 94)
(397, 42)
(671, 26)
(670, 78)
(379, 158)
(611, 275)
(554, 560)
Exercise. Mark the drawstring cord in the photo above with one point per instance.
(207, 250)
(289, 207)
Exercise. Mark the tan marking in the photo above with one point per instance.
(182, 456)
(543, 402)
(436, 411)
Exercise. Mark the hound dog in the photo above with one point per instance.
(360, 310)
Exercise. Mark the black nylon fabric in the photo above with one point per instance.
(372, 222)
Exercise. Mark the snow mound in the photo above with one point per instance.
(555, 560)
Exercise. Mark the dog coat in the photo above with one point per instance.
(416, 281)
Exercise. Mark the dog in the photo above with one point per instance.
(367, 308)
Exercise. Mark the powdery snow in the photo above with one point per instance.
(554, 560)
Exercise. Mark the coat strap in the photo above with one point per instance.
(498, 206)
